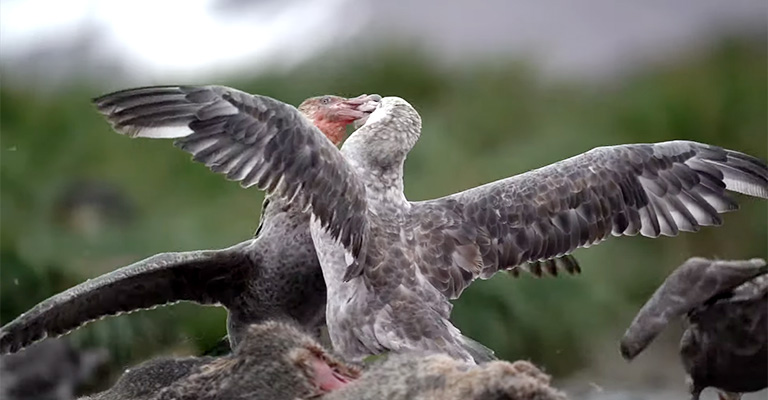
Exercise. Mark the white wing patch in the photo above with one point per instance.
(348, 257)
(159, 132)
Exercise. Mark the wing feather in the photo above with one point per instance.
(205, 277)
(256, 140)
(651, 189)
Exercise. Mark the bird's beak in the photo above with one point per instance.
(364, 101)
(363, 105)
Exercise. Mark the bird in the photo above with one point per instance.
(274, 274)
(391, 266)
(275, 360)
(724, 304)
(280, 360)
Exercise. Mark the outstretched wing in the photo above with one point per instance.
(255, 140)
(652, 189)
(692, 284)
(206, 277)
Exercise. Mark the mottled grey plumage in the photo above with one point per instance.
(421, 254)
(725, 304)
(274, 275)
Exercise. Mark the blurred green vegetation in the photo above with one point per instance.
(481, 122)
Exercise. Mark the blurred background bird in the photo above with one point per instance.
(724, 305)
(517, 86)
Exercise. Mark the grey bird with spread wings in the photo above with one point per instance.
(725, 307)
(391, 266)
(398, 262)
(274, 275)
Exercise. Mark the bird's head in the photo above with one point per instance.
(393, 110)
(332, 114)
(387, 135)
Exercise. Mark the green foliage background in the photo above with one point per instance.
(481, 122)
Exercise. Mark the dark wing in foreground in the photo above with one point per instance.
(255, 140)
(692, 284)
(205, 277)
(652, 189)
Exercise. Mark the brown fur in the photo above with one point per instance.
(275, 359)
(440, 377)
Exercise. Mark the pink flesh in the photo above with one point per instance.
(326, 378)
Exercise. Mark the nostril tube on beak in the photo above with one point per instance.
(363, 99)
(369, 103)
(356, 101)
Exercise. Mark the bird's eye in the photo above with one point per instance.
(325, 100)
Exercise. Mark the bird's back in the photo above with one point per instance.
(291, 281)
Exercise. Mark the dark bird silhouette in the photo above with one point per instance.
(275, 274)
(725, 308)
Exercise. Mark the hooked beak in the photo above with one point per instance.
(364, 100)
(363, 106)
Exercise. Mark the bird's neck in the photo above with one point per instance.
(333, 130)
(383, 184)
(377, 162)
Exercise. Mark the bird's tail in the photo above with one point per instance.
(479, 352)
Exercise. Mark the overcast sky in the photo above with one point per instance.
(161, 39)
(184, 36)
